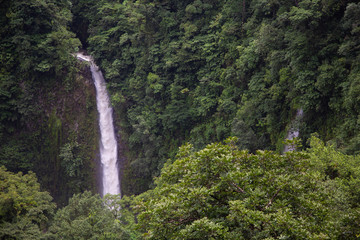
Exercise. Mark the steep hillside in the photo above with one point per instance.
(215, 76)
(203, 70)
(178, 71)
(48, 116)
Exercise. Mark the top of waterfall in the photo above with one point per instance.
(83, 57)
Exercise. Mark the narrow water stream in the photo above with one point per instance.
(294, 130)
(108, 144)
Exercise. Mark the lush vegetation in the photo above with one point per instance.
(219, 192)
(200, 71)
(188, 73)
(24, 209)
(48, 118)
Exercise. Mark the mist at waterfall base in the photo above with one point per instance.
(108, 143)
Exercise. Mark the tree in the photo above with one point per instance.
(221, 192)
(87, 216)
(342, 173)
(24, 209)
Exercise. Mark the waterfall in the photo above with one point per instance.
(294, 130)
(108, 144)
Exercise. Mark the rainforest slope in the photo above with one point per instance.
(200, 71)
(181, 71)
(48, 117)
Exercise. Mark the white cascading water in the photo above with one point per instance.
(294, 130)
(108, 144)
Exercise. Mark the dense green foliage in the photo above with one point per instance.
(203, 70)
(40, 90)
(219, 192)
(28, 213)
(87, 216)
(24, 209)
(222, 192)
(194, 71)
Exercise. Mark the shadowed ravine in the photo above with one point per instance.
(108, 144)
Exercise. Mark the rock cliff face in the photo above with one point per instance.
(59, 141)
(73, 152)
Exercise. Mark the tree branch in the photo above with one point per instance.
(237, 188)
(272, 199)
